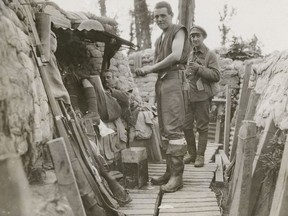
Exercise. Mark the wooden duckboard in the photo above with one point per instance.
(194, 199)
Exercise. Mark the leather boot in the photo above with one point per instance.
(191, 144)
(166, 176)
(91, 99)
(176, 180)
(199, 161)
(202, 144)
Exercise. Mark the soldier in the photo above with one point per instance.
(203, 69)
(171, 52)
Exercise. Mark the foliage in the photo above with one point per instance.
(225, 18)
(272, 159)
(142, 20)
(240, 49)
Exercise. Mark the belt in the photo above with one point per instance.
(171, 72)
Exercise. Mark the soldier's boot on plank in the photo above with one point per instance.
(202, 144)
(90, 95)
(191, 145)
(176, 180)
(166, 176)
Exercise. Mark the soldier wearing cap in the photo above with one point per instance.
(202, 70)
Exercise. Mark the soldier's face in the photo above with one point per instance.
(196, 39)
(162, 18)
(108, 79)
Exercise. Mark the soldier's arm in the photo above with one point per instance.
(211, 72)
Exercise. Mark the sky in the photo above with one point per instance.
(267, 19)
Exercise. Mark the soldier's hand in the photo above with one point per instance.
(140, 72)
(193, 66)
(144, 70)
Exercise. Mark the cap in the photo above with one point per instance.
(199, 30)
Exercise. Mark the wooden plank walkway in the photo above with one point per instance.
(195, 198)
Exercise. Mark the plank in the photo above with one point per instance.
(227, 122)
(219, 177)
(194, 178)
(189, 204)
(131, 206)
(155, 142)
(252, 104)
(190, 209)
(239, 192)
(141, 196)
(210, 213)
(258, 171)
(280, 199)
(224, 158)
(138, 211)
(190, 200)
(65, 175)
(186, 173)
(245, 92)
(185, 195)
(220, 108)
(264, 141)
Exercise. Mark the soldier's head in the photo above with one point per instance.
(197, 35)
(163, 15)
(108, 79)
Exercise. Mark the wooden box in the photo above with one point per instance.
(135, 167)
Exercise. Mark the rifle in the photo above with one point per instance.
(118, 192)
(82, 173)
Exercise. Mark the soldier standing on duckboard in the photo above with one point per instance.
(202, 71)
(171, 53)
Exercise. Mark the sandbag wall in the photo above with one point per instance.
(272, 84)
(146, 85)
(26, 121)
(119, 65)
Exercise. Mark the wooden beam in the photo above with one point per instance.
(280, 199)
(258, 171)
(227, 125)
(224, 157)
(65, 175)
(252, 104)
(219, 177)
(239, 191)
(186, 12)
(220, 108)
(245, 93)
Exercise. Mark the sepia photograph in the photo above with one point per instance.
(143, 108)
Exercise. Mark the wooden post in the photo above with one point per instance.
(258, 171)
(279, 205)
(219, 177)
(245, 93)
(15, 196)
(227, 125)
(65, 175)
(241, 182)
(252, 104)
(220, 108)
(186, 12)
